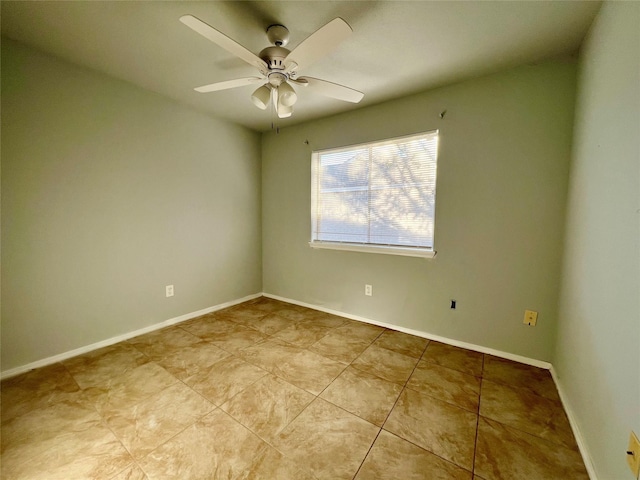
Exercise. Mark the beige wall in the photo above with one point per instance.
(502, 176)
(109, 193)
(598, 348)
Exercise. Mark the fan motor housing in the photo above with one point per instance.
(274, 57)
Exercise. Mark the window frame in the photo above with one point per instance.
(404, 250)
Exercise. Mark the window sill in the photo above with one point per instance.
(386, 250)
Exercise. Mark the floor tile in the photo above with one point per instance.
(240, 313)
(363, 394)
(507, 372)
(302, 368)
(268, 305)
(526, 411)
(295, 313)
(461, 359)
(303, 334)
(269, 324)
(132, 472)
(403, 343)
(340, 347)
(224, 379)
(446, 384)
(267, 406)
(191, 359)
(163, 342)
(30, 433)
(393, 458)
(386, 364)
(269, 464)
(437, 426)
(104, 365)
(144, 426)
(505, 453)
(130, 388)
(316, 438)
(215, 447)
(210, 326)
(234, 341)
(91, 453)
(327, 319)
(38, 388)
(361, 330)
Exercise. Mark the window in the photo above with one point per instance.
(376, 197)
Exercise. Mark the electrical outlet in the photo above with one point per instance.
(530, 318)
(368, 290)
(169, 290)
(453, 304)
(633, 454)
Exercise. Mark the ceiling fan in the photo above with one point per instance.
(279, 66)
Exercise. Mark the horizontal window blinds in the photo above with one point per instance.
(380, 193)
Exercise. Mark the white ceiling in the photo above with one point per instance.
(397, 48)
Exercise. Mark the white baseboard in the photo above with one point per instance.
(582, 446)
(419, 333)
(110, 341)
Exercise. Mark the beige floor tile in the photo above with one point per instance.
(88, 454)
(386, 364)
(361, 330)
(302, 368)
(267, 406)
(132, 472)
(505, 453)
(269, 353)
(526, 411)
(296, 313)
(269, 324)
(363, 394)
(309, 371)
(216, 448)
(104, 365)
(393, 458)
(339, 347)
(461, 359)
(38, 388)
(234, 341)
(446, 384)
(303, 334)
(269, 464)
(130, 388)
(507, 372)
(316, 438)
(31, 433)
(224, 379)
(268, 305)
(403, 343)
(146, 425)
(327, 319)
(161, 343)
(437, 426)
(210, 326)
(191, 359)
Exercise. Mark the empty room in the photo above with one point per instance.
(320, 240)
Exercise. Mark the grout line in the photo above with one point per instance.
(475, 443)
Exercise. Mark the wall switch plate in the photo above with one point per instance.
(530, 318)
(169, 290)
(633, 454)
(368, 290)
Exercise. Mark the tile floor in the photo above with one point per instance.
(269, 390)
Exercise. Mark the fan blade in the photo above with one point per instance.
(223, 41)
(330, 89)
(238, 82)
(318, 44)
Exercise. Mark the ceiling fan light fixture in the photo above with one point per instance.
(284, 111)
(287, 95)
(261, 97)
